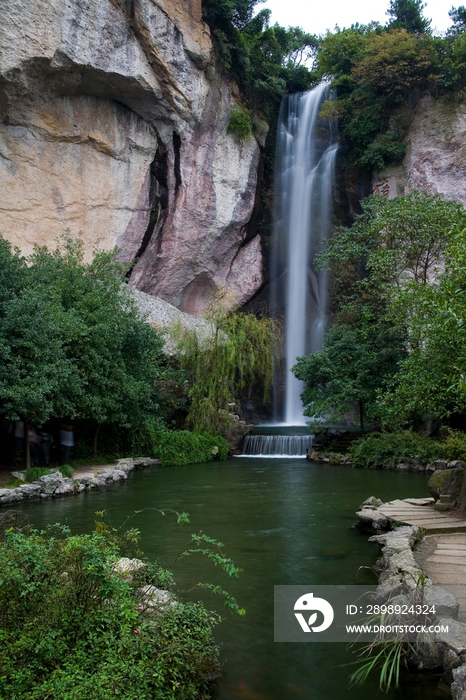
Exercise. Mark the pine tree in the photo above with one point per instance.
(407, 14)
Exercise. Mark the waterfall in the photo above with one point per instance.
(304, 178)
(276, 445)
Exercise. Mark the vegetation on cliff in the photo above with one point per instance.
(381, 72)
(267, 62)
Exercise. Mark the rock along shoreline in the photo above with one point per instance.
(55, 485)
(401, 579)
(407, 465)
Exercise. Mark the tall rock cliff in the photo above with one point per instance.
(114, 122)
(435, 159)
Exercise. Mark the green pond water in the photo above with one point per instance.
(284, 521)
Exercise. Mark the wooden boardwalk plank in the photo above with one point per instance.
(422, 516)
(438, 559)
(451, 551)
(438, 529)
(443, 558)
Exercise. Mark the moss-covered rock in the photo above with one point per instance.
(448, 482)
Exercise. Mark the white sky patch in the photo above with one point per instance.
(316, 17)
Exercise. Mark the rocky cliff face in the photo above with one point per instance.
(114, 122)
(435, 159)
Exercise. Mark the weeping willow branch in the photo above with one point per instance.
(237, 354)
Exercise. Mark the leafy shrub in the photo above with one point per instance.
(176, 447)
(35, 473)
(240, 124)
(385, 450)
(385, 148)
(66, 470)
(71, 629)
(144, 438)
(154, 575)
(455, 445)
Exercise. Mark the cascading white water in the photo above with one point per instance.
(304, 180)
(276, 445)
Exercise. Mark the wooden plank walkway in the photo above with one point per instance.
(420, 512)
(443, 558)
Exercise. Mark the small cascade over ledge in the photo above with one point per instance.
(276, 445)
(277, 442)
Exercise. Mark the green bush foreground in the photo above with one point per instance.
(70, 629)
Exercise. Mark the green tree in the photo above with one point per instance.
(34, 368)
(72, 343)
(395, 65)
(431, 380)
(407, 14)
(224, 13)
(392, 242)
(387, 267)
(116, 357)
(458, 17)
(349, 371)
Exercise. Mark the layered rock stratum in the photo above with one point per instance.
(114, 123)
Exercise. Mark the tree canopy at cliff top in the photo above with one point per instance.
(266, 61)
(379, 72)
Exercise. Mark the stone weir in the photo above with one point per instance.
(278, 442)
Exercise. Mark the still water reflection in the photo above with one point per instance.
(284, 522)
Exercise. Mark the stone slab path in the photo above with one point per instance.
(420, 512)
(443, 558)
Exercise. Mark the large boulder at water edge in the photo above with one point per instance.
(233, 429)
(446, 482)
